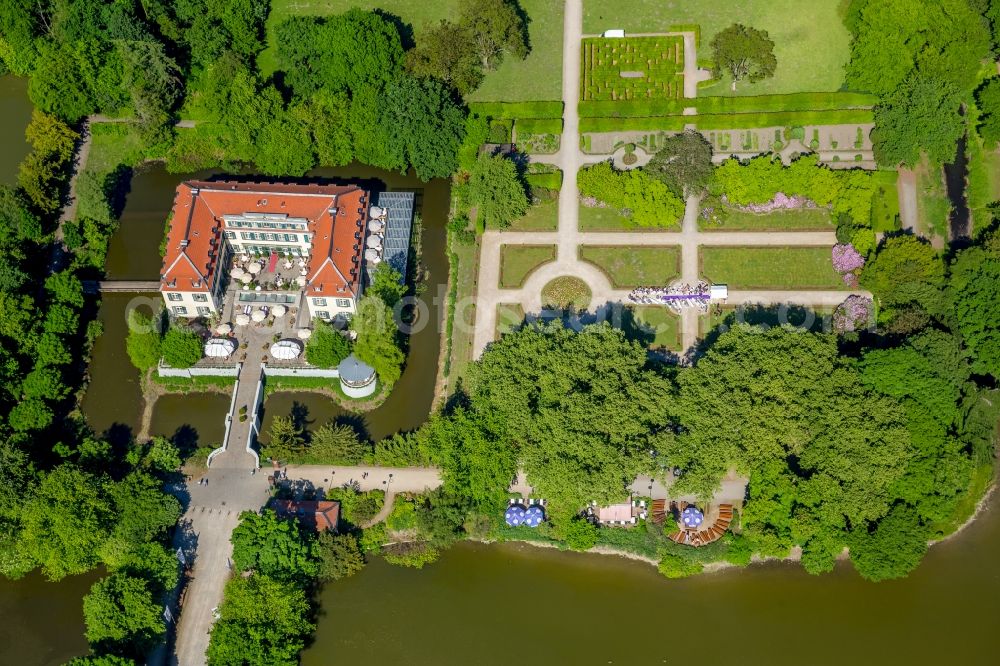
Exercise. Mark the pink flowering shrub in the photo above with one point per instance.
(781, 201)
(853, 314)
(846, 259)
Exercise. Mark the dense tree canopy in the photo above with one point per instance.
(974, 283)
(376, 343)
(683, 163)
(268, 545)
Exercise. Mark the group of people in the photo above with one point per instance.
(679, 296)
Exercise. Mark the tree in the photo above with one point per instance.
(496, 28)
(44, 382)
(683, 163)
(429, 124)
(387, 284)
(274, 547)
(334, 444)
(121, 614)
(17, 222)
(974, 285)
(286, 439)
(65, 522)
(634, 193)
(325, 115)
(988, 100)
(893, 548)
(578, 533)
(30, 414)
(497, 191)
(65, 287)
(143, 343)
(376, 339)
(921, 114)
(101, 660)
(580, 409)
(263, 622)
(339, 556)
(447, 51)
(327, 347)
(906, 270)
(746, 53)
(181, 348)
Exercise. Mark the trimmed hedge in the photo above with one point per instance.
(518, 109)
(665, 123)
(545, 181)
(501, 130)
(688, 27)
(780, 119)
(816, 101)
(538, 125)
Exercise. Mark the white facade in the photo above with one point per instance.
(190, 303)
(263, 233)
(328, 308)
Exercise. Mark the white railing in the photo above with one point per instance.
(229, 418)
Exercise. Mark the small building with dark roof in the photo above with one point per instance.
(319, 515)
(357, 378)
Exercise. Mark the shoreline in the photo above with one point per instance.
(795, 555)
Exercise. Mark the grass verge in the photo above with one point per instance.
(518, 261)
(801, 219)
(629, 267)
(770, 267)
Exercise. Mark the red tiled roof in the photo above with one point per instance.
(196, 229)
(320, 515)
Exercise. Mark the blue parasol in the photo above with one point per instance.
(514, 515)
(534, 516)
(692, 516)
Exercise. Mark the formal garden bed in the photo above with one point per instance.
(629, 267)
(659, 327)
(770, 267)
(509, 317)
(541, 216)
(566, 291)
(518, 261)
(716, 216)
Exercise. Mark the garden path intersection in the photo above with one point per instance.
(568, 238)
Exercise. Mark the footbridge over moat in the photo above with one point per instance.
(124, 286)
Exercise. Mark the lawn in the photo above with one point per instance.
(633, 68)
(770, 267)
(464, 315)
(885, 203)
(659, 326)
(984, 181)
(810, 40)
(629, 267)
(113, 144)
(543, 216)
(933, 206)
(608, 219)
(537, 77)
(518, 261)
(509, 317)
(802, 219)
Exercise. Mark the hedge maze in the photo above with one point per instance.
(633, 68)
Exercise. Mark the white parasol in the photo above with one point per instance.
(304, 333)
(219, 348)
(286, 350)
(371, 254)
(223, 329)
(278, 310)
(254, 268)
(242, 319)
(301, 280)
(374, 242)
(258, 316)
(375, 225)
(245, 278)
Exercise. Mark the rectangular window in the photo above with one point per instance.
(323, 314)
(230, 235)
(204, 312)
(343, 302)
(200, 298)
(180, 310)
(173, 296)
(319, 302)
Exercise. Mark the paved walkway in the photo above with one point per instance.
(567, 238)
(906, 187)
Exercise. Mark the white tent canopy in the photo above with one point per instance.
(219, 348)
(286, 350)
